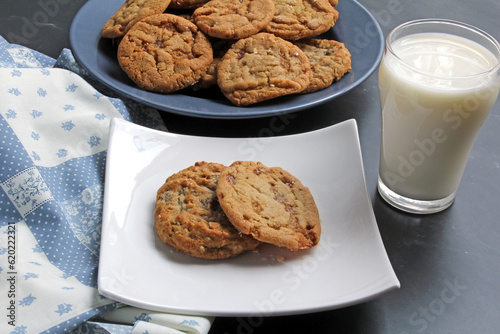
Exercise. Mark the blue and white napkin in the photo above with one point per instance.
(53, 141)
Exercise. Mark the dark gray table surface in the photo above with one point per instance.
(448, 263)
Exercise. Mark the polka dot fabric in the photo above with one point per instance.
(54, 120)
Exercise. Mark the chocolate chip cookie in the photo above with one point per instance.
(209, 79)
(164, 53)
(296, 19)
(269, 204)
(262, 67)
(130, 13)
(329, 59)
(234, 19)
(189, 218)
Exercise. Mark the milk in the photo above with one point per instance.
(429, 123)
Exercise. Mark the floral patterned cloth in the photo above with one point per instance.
(54, 123)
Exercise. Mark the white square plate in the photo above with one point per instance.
(349, 265)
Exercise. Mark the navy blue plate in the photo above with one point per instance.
(356, 28)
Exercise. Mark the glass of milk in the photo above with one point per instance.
(438, 80)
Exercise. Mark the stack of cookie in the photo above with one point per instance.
(211, 211)
(254, 50)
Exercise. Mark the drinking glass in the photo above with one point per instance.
(438, 80)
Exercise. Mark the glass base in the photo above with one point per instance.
(413, 205)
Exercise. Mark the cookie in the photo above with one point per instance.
(296, 19)
(130, 13)
(262, 67)
(209, 78)
(269, 204)
(188, 216)
(329, 59)
(164, 53)
(233, 19)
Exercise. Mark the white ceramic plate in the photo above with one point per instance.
(348, 266)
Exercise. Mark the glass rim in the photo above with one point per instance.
(469, 27)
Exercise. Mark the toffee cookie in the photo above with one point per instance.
(234, 19)
(130, 13)
(209, 78)
(329, 59)
(262, 67)
(164, 53)
(296, 19)
(188, 216)
(270, 204)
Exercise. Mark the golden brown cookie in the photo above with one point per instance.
(296, 19)
(209, 78)
(270, 204)
(189, 218)
(234, 19)
(262, 67)
(329, 59)
(130, 13)
(164, 53)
